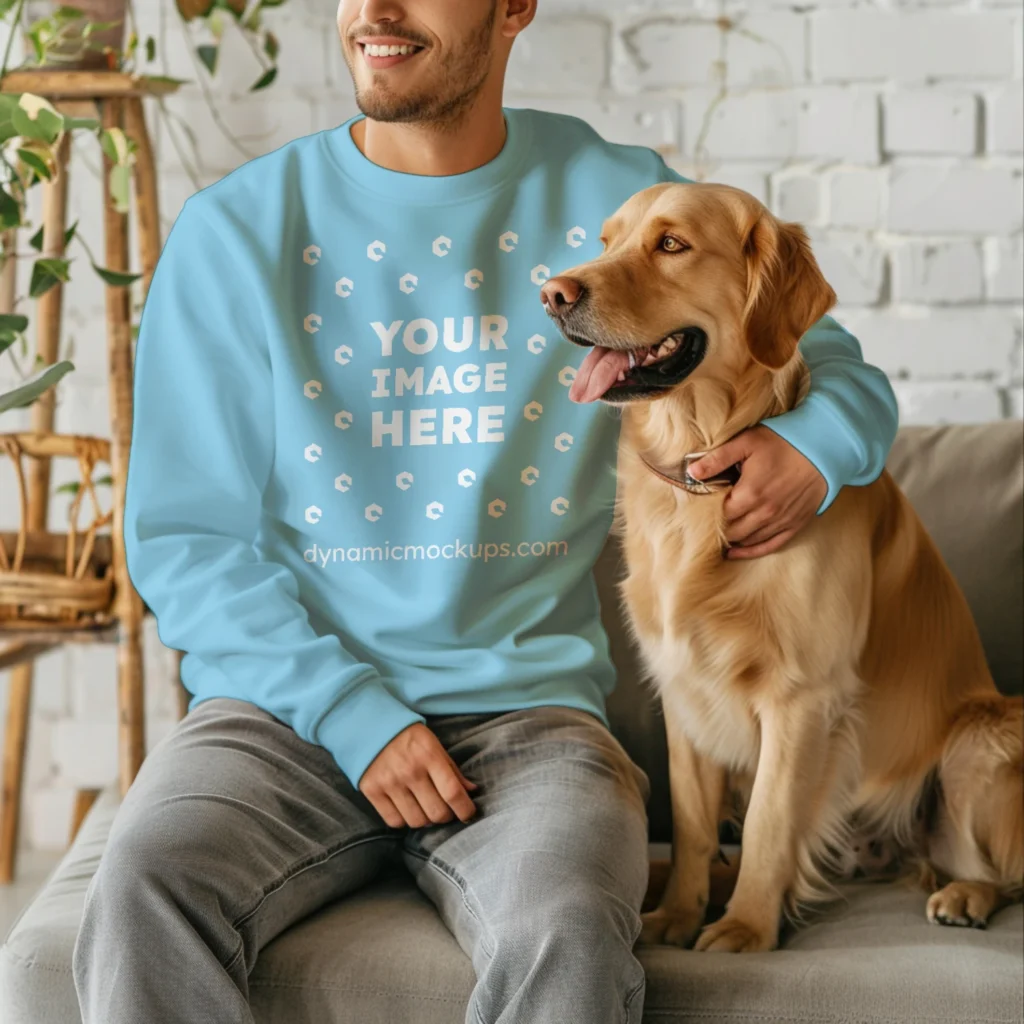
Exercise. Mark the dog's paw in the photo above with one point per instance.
(666, 928)
(731, 935)
(962, 904)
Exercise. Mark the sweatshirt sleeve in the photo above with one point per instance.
(847, 422)
(201, 455)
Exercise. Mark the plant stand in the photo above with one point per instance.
(51, 610)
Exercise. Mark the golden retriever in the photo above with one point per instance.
(835, 686)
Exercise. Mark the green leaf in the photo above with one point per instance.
(265, 80)
(208, 55)
(164, 78)
(271, 47)
(83, 123)
(36, 162)
(12, 322)
(116, 145)
(10, 211)
(120, 186)
(150, 49)
(35, 118)
(36, 385)
(71, 487)
(36, 241)
(117, 278)
(45, 274)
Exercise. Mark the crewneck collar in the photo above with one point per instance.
(426, 188)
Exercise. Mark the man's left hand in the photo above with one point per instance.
(778, 493)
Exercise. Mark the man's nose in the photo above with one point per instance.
(559, 294)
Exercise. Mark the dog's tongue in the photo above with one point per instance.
(597, 373)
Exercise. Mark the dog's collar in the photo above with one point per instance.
(712, 485)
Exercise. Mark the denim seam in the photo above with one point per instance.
(447, 871)
(293, 872)
(632, 995)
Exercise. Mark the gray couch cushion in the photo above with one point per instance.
(383, 956)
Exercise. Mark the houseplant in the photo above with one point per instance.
(93, 35)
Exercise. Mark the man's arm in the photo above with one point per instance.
(847, 422)
(201, 456)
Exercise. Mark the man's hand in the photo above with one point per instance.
(778, 494)
(414, 782)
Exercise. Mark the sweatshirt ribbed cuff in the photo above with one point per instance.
(359, 727)
(822, 438)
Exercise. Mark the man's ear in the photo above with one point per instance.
(786, 292)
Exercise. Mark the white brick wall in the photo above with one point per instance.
(891, 128)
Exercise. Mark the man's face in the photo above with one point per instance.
(456, 40)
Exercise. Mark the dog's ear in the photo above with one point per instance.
(786, 292)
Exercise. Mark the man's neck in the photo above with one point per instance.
(432, 149)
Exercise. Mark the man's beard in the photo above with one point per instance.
(441, 104)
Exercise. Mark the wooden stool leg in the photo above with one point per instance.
(129, 608)
(147, 205)
(147, 220)
(19, 703)
(48, 325)
(84, 799)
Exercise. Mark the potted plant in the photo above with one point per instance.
(91, 35)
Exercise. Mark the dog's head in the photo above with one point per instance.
(694, 279)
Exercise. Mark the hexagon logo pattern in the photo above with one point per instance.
(575, 237)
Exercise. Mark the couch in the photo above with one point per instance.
(383, 955)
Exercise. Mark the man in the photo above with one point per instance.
(362, 502)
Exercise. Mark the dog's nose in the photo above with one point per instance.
(559, 294)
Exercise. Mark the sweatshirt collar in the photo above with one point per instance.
(425, 188)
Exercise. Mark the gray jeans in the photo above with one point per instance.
(235, 828)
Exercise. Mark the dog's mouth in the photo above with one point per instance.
(622, 375)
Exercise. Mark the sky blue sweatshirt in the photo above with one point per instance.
(358, 493)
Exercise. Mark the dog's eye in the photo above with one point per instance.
(672, 244)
